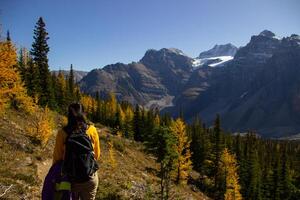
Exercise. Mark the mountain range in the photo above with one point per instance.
(254, 88)
(78, 75)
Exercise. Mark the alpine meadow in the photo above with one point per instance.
(221, 121)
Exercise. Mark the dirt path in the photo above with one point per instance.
(42, 170)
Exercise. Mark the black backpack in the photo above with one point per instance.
(79, 162)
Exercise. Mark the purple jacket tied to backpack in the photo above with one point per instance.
(56, 186)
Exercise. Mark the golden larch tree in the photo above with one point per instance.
(229, 168)
(112, 105)
(182, 148)
(156, 120)
(12, 91)
(88, 103)
(41, 125)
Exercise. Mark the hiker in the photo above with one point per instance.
(77, 145)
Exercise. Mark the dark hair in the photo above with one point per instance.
(76, 118)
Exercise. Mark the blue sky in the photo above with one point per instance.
(93, 33)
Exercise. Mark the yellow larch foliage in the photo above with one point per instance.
(88, 102)
(41, 125)
(122, 114)
(229, 167)
(61, 81)
(128, 114)
(156, 120)
(112, 105)
(119, 134)
(111, 152)
(183, 163)
(12, 91)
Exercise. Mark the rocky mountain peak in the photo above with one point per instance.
(267, 33)
(166, 57)
(260, 48)
(220, 50)
(294, 38)
(174, 50)
(151, 53)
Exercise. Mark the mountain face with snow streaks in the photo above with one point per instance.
(255, 87)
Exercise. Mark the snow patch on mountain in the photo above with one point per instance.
(211, 61)
(222, 59)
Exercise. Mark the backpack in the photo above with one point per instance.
(56, 186)
(79, 162)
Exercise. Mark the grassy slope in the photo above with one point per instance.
(25, 166)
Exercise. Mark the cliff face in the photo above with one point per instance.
(255, 91)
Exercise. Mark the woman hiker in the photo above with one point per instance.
(77, 146)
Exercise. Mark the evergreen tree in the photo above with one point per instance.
(71, 83)
(23, 64)
(117, 119)
(217, 155)
(77, 94)
(166, 120)
(8, 39)
(162, 146)
(128, 121)
(98, 108)
(61, 92)
(198, 144)
(254, 186)
(285, 179)
(39, 53)
(149, 125)
(276, 190)
(137, 126)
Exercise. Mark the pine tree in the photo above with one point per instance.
(8, 39)
(112, 107)
(128, 121)
(71, 83)
(77, 93)
(285, 179)
(149, 125)
(61, 93)
(117, 119)
(137, 124)
(217, 155)
(254, 185)
(182, 148)
(162, 146)
(166, 120)
(276, 190)
(98, 107)
(197, 144)
(39, 53)
(23, 64)
(32, 81)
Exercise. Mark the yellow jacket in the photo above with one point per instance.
(59, 149)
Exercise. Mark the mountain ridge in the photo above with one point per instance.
(168, 79)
